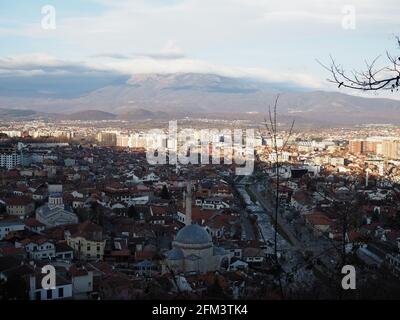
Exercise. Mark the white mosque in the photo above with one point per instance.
(193, 250)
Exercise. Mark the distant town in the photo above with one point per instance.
(81, 196)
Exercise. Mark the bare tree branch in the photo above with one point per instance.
(371, 79)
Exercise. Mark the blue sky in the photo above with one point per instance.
(271, 40)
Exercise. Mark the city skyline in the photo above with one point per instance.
(174, 152)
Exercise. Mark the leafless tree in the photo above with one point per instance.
(373, 78)
(272, 129)
(271, 125)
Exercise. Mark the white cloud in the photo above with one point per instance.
(39, 64)
(28, 60)
(142, 26)
(144, 65)
(205, 36)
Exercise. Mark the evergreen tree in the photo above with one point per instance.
(165, 193)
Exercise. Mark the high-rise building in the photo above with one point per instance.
(356, 146)
(107, 139)
(366, 146)
(123, 140)
(391, 149)
(370, 146)
(10, 157)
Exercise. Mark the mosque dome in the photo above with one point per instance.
(193, 235)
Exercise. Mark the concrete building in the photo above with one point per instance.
(10, 158)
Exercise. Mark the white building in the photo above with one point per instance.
(63, 289)
(10, 160)
(82, 281)
(10, 226)
(211, 204)
(38, 249)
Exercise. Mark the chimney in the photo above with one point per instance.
(188, 204)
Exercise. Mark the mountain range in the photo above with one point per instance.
(164, 96)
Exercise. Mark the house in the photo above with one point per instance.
(211, 203)
(146, 267)
(136, 200)
(20, 206)
(234, 249)
(301, 201)
(7, 226)
(319, 223)
(238, 265)
(38, 248)
(63, 289)
(151, 177)
(34, 225)
(82, 281)
(64, 252)
(253, 255)
(40, 193)
(87, 241)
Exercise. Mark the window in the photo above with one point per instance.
(60, 292)
(49, 294)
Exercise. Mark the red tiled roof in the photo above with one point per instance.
(10, 251)
(121, 253)
(86, 229)
(74, 271)
(318, 219)
(199, 214)
(19, 201)
(32, 222)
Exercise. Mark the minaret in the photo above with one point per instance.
(188, 205)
